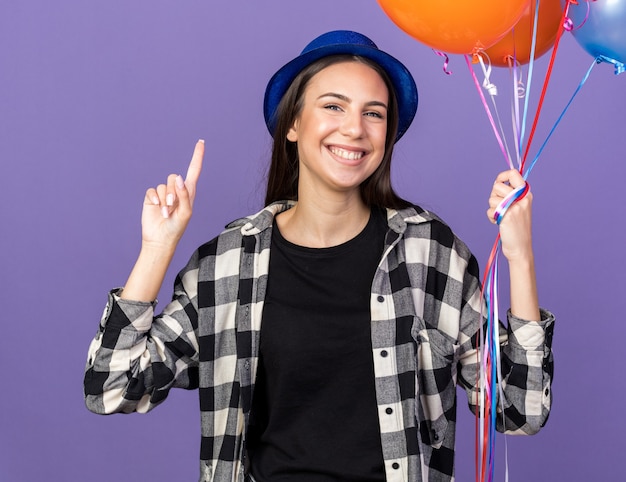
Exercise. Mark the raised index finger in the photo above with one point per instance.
(195, 166)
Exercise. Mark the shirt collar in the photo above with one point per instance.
(399, 219)
(262, 220)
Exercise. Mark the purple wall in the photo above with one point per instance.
(99, 100)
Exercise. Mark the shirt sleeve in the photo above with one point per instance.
(527, 370)
(525, 393)
(136, 358)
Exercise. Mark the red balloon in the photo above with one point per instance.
(518, 42)
(455, 26)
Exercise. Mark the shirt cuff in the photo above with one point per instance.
(127, 314)
(531, 335)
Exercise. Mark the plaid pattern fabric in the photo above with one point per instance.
(425, 307)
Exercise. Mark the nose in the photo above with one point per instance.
(352, 125)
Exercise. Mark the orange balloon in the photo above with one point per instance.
(518, 42)
(455, 26)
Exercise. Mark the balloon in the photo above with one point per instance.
(603, 33)
(455, 26)
(518, 42)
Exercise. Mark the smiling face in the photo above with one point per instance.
(341, 129)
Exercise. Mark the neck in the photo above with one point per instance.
(324, 222)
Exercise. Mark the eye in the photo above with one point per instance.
(333, 107)
(374, 114)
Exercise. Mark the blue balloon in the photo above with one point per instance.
(602, 33)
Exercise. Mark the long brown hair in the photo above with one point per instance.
(282, 179)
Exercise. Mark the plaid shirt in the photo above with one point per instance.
(425, 308)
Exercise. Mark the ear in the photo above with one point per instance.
(292, 133)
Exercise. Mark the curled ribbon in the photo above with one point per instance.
(521, 90)
(445, 62)
(569, 24)
(619, 66)
(486, 68)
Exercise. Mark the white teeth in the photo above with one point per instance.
(349, 155)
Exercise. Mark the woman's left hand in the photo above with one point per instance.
(515, 227)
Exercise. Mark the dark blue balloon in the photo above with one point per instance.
(602, 32)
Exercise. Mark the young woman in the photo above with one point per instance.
(326, 333)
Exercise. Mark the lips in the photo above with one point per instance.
(347, 154)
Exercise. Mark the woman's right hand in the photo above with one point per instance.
(166, 213)
(168, 207)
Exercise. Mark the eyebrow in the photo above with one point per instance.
(348, 100)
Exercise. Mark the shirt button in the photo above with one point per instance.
(435, 436)
(381, 299)
(389, 411)
(384, 353)
(395, 465)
